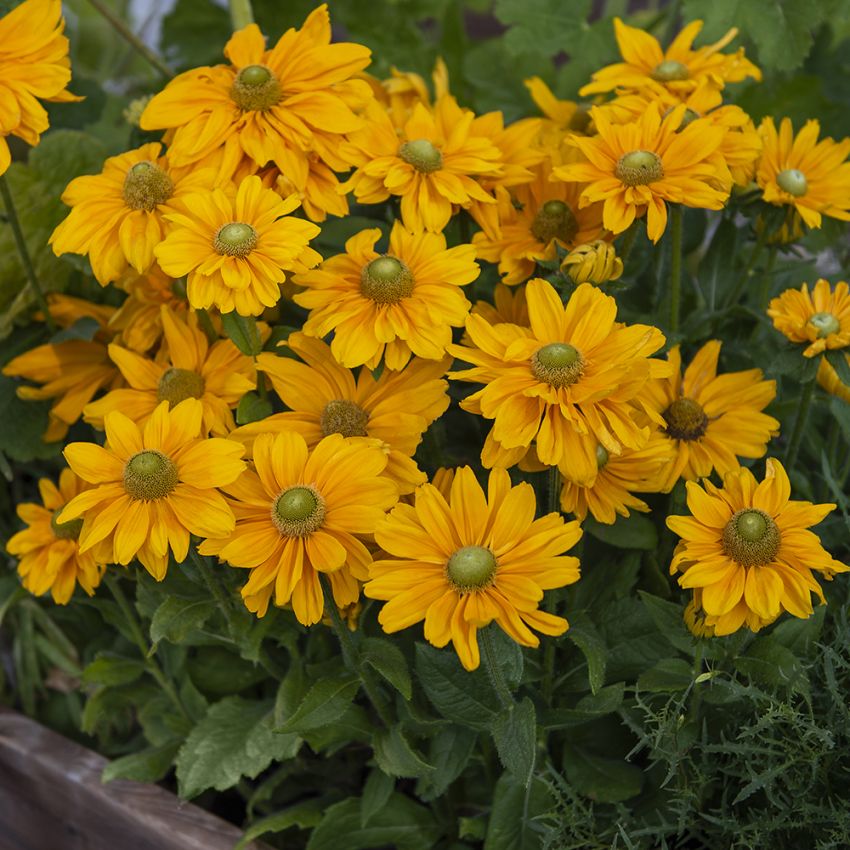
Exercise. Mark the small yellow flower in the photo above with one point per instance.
(828, 379)
(748, 550)
(49, 551)
(594, 262)
(464, 561)
(509, 305)
(820, 319)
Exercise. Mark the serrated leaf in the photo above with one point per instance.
(325, 702)
(243, 332)
(606, 701)
(396, 757)
(449, 753)
(176, 617)
(305, 815)
(769, 662)
(668, 617)
(234, 739)
(510, 825)
(388, 660)
(515, 734)
(588, 640)
(148, 765)
(376, 792)
(544, 26)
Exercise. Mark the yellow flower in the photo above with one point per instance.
(809, 175)
(820, 319)
(635, 168)
(402, 90)
(34, 66)
(117, 216)
(748, 549)
(509, 305)
(433, 164)
(563, 118)
(273, 105)
(679, 69)
(594, 262)
(236, 251)
(828, 378)
(154, 486)
(461, 562)
(532, 222)
(324, 398)
(66, 310)
(218, 375)
(318, 191)
(49, 552)
(394, 304)
(302, 513)
(711, 419)
(619, 478)
(566, 383)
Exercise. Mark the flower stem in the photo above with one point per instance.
(216, 588)
(745, 274)
(554, 490)
(241, 13)
(628, 243)
(675, 266)
(114, 585)
(799, 425)
(350, 655)
(494, 672)
(131, 38)
(20, 242)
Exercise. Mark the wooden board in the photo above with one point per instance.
(51, 798)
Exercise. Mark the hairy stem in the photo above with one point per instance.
(491, 666)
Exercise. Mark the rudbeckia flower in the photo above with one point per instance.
(461, 562)
(153, 486)
(819, 319)
(748, 550)
(403, 302)
(509, 305)
(301, 513)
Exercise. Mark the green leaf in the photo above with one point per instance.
(838, 360)
(605, 780)
(633, 532)
(396, 757)
(22, 424)
(388, 660)
(769, 662)
(588, 640)
(252, 408)
(798, 635)
(324, 703)
(376, 792)
(148, 765)
(401, 824)
(668, 617)
(449, 753)
(195, 32)
(515, 734)
(234, 739)
(242, 332)
(176, 617)
(606, 701)
(508, 656)
(514, 806)
(305, 815)
(111, 670)
(459, 695)
(669, 674)
(544, 26)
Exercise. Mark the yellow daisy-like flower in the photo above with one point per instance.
(563, 118)
(619, 478)
(393, 305)
(324, 398)
(49, 552)
(711, 419)
(535, 220)
(66, 310)
(748, 550)
(34, 66)
(566, 383)
(433, 164)
(116, 216)
(153, 486)
(594, 262)
(509, 305)
(800, 171)
(635, 168)
(236, 251)
(301, 513)
(819, 319)
(218, 375)
(402, 90)
(461, 562)
(679, 69)
(274, 105)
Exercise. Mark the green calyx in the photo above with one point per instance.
(471, 568)
(422, 154)
(149, 475)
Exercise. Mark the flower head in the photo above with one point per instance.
(461, 562)
(301, 513)
(403, 302)
(748, 550)
(820, 319)
(153, 486)
(49, 551)
(593, 262)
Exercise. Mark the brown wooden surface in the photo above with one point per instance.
(51, 798)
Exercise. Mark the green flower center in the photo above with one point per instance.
(751, 538)
(558, 364)
(149, 475)
(471, 568)
(69, 530)
(793, 182)
(386, 280)
(423, 155)
(825, 324)
(670, 71)
(601, 456)
(344, 417)
(177, 385)
(554, 220)
(255, 89)
(298, 511)
(637, 168)
(146, 186)
(236, 239)
(686, 420)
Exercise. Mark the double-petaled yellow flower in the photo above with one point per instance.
(819, 319)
